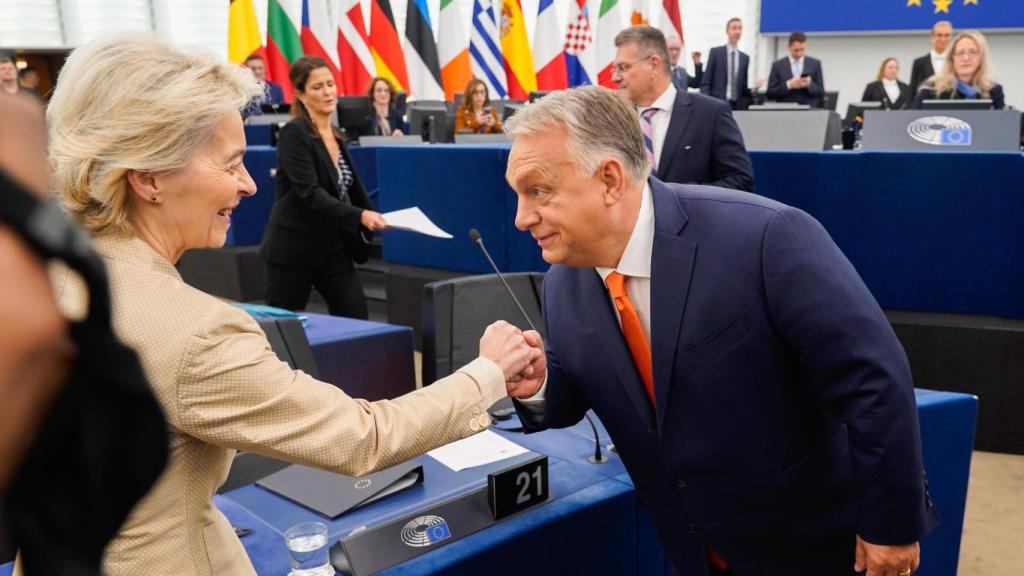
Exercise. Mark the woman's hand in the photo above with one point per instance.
(397, 132)
(485, 118)
(373, 221)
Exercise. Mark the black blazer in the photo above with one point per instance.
(682, 80)
(716, 77)
(781, 73)
(704, 145)
(921, 71)
(309, 221)
(927, 92)
(875, 92)
(394, 119)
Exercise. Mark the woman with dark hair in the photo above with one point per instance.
(322, 216)
(387, 120)
(476, 113)
(887, 89)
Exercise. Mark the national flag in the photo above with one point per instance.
(284, 45)
(357, 66)
(641, 14)
(421, 53)
(547, 50)
(609, 24)
(486, 60)
(386, 46)
(318, 35)
(671, 21)
(515, 47)
(244, 36)
(579, 45)
(452, 50)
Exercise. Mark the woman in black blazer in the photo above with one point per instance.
(387, 120)
(887, 89)
(966, 74)
(322, 214)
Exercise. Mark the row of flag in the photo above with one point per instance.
(498, 53)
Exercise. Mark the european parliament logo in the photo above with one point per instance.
(940, 131)
(425, 531)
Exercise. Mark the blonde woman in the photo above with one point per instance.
(966, 74)
(147, 146)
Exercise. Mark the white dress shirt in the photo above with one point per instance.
(796, 66)
(635, 265)
(661, 119)
(892, 89)
(937, 61)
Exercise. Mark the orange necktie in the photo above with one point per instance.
(633, 330)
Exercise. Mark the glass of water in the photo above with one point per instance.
(308, 550)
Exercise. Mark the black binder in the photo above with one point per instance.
(331, 495)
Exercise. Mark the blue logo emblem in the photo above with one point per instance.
(940, 131)
(425, 531)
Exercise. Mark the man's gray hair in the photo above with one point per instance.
(599, 122)
(649, 40)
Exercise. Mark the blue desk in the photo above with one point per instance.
(367, 360)
(927, 232)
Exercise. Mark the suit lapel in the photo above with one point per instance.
(324, 157)
(672, 261)
(608, 332)
(676, 127)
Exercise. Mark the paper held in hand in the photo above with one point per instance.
(414, 220)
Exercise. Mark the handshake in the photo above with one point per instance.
(520, 355)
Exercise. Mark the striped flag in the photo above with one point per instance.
(244, 37)
(318, 35)
(421, 53)
(452, 50)
(579, 45)
(284, 45)
(357, 66)
(486, 60)
(515, 47)
(609, 24)
(386, 46)
(641, 13)
(671, 21)
(547, 51)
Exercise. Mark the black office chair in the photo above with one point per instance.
(456, 312)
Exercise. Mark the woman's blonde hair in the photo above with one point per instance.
(984, 78)
(133, 102)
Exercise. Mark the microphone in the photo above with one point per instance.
(474, 235)
(598, 457)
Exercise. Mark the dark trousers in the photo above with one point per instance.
(336, 280)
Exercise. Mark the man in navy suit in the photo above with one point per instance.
(726, 76)
(752, 386)
(691, 138)
(797, 78)
(272, 93)
(681, 79)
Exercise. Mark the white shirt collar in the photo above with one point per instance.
(888, 82)
(664, 102)
(794, 61)
(636, 258)
(937, 55)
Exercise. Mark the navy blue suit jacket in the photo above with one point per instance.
(786, 421)
(716, 77)
(275, 93)
(704, 145)
(781, 72)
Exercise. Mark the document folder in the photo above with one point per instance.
(331, 495)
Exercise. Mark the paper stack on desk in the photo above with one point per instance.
(477, 450)
(414, 220)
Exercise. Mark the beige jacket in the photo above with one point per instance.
(223, 390)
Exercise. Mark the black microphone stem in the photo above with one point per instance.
(479, 241)
(598, 457)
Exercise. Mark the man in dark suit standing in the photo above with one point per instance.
(691, 138)
(797, 77)
(272, 93)
(754, 389)
(680, 78)
(926, 66)
(726, 75)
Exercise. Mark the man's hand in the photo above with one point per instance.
(373, 221)
(529, 382)
(504, 344)
(696, 57)
(881, 560)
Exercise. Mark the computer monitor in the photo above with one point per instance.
(538, 94)
(780, 106)
(856, 109)
(355, 115)
(956, 105)
(509, 110)
(430, 122)
(400, 98)
(275, 108)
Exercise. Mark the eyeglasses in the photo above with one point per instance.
(968, 52)
(623, 67)
(479, 91)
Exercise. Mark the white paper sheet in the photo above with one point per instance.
(477, 450)
(414, 220)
